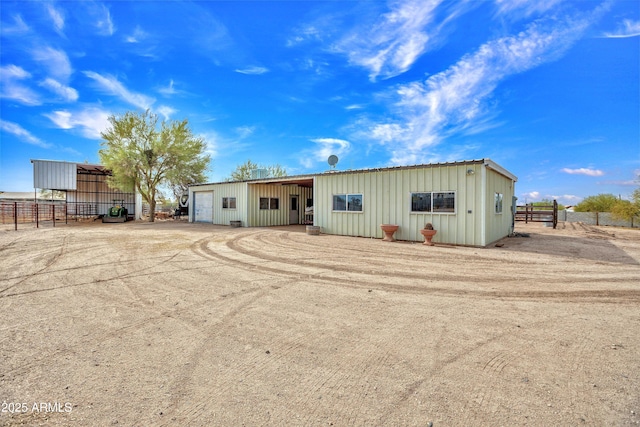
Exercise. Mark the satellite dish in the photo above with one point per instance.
(332, 160)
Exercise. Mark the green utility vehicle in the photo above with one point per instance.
(116, 213)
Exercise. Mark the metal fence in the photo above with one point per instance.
(31, 213)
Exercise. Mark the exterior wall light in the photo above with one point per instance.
(470, 172)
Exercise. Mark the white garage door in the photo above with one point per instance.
(203, 206)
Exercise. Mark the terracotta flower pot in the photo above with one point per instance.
(388, 230)
(428, 235)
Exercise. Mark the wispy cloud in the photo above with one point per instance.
(533, 195)
(90, 121)
(137, 36)
(391, 46)
(65, 92)
(524, 7)
(56, 17)
(17, 27)
(455, 100)
(169, 90)
(22, 134)
(252, 70)
(111, 85)
(55, 61)
(12, 88)
(627, 28)
(100, 18)
(324, 147)
(583, 171)
(166, 111)
(245, 131)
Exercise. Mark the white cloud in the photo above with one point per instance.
(583, 171)
(18, 27)
(566, 199)
(65, 92)
(212, 140)
(91, 121)
(533, 195)
(112, 86)
(324, 148)
(390, 46)
(628, 28)
(245, 131)
(138, 35)
(11, 88)
(252, 70)
(166, 111)
(455, 100)
(56, 17)
(525, 7)
(13, 71)
(56, 61)
(22, 133)
(102, 19)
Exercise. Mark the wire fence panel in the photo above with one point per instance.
(34, 214)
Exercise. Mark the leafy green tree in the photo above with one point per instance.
(546, 203)
(625, 209)
(243, 171)
(599, 203)
(144, 156)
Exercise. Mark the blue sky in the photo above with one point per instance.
(549, 89)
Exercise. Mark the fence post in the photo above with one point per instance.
(15, 215)
(53, 210)
(37, 217)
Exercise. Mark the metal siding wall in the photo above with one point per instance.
(265, 218)
(498, 225)
(387, 199)
(225, 216)
(54, 175)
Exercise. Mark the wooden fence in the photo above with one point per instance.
(538, 213)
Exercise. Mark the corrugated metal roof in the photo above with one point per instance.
(291, 179)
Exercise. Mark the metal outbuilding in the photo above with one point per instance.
(469, 202)
(84, 185)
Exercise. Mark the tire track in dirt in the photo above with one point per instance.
(257, 362)
(257, 262)
(57, 254)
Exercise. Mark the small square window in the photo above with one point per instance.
(444, 202)
(420, 202)
(267, 203)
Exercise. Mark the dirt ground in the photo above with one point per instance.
(176, 324)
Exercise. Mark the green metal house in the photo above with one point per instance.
(469, 202)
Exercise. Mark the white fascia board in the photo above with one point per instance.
(496, 167)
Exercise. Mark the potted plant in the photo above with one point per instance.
(388, 230)
(428, 232)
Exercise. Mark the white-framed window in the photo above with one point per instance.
(420, 202)
(269, 203)
(228, 203)
(498, 203)
(433, 202)
(347, 202)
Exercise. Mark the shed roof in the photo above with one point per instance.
(307, 179)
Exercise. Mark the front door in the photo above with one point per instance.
(294, 214)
